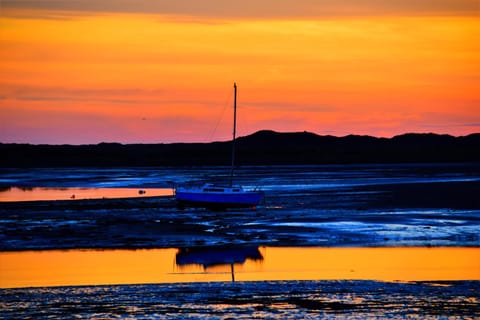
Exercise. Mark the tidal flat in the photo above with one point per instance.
(262, 299)
(344, 205)
(339, 206)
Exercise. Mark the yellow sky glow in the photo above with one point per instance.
(377, 75)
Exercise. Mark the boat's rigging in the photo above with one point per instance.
(226, 105)
(210, 195)
(234, 131)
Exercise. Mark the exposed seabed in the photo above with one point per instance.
(326, 206)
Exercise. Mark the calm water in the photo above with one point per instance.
(71, 193)
(362, 205)
(274, 178)
(270, 283)
(205, 264)
(422, 219)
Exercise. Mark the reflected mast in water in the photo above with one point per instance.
(108, 267)
(217, 256)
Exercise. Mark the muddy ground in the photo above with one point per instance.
(433, 214)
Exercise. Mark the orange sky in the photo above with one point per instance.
(162, 71)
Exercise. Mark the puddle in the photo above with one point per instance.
(107, 267)
(42, 194)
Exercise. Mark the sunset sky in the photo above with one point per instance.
(148, 71)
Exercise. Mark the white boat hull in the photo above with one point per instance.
(211, 195)
(227, 198)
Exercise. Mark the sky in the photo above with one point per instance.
(162, 71)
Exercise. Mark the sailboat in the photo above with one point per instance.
(220, 196)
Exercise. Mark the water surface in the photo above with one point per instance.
(13, 194)
(337, 205)
(384, 241)
(111, 267)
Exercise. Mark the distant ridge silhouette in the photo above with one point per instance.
(260, 148)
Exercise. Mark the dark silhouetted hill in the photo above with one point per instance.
(263, 147)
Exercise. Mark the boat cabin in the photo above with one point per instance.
(209, 187)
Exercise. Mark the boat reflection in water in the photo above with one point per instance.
(209, 257)
(79, 267)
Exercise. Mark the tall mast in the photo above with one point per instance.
(234, 130)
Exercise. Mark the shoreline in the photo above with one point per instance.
(266, 299)
(443, 214)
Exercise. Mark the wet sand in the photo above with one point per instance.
(246, 300)
(433, 214)
(307, 207)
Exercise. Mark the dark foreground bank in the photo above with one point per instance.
(261, 148)
(246, 300)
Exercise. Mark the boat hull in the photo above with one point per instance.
(242, 199)
(216, 256)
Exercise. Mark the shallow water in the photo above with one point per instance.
(205, 264)
(344, 205)
(348, 207)
(70, 193)
(276, 178)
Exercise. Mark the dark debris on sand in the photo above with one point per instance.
(435, 214)
(246, 300)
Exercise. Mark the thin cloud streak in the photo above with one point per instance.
(117, 96)
(381, 75)
(270, 9)
(279, 105)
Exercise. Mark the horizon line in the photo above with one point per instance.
(240, 137)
